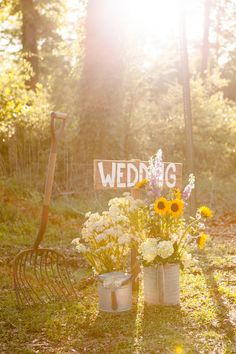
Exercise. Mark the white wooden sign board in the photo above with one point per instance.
(115, 174)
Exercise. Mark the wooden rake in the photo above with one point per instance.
(41, 274)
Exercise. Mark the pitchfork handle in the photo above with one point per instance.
(56, 134)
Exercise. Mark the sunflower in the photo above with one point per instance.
(141, 183)
(202, 240)
(161, 206)
(176, 207)
(205, 212)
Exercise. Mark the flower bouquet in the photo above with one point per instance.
(169, 236)
(105, 242)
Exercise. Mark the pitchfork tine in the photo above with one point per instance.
(49, 257)
(26, 293)
(60, 282)
(28, 283)
(62, 278)
(45, 284)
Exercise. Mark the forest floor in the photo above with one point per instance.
(205, 321)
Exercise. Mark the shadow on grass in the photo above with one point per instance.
(222, 310)
(144, 329)
(81, 327)
(164, 330)
(113, 332)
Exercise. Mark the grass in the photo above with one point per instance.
(204, 322)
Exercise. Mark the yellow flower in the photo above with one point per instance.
(176, 207)
(202, 240)
(206, 212)
(179, 349)
(161, 206)
(177, 193)
(141, 183)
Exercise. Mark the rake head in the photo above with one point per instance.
(41, 276)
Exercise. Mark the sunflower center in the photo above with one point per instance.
(161, 205)
(174, 207)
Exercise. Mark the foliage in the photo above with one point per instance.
(21, 108)
(146, 111)
(159, 120)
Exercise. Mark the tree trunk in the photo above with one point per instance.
(101, 125)
(29, 38)
(187, 103)
(205, 45)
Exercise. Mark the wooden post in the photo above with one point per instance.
(135, 267)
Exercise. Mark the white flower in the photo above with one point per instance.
(156, 169)
(174, 237)
(192, 179)
(75, 241)
(125, 251)
(148, 249)
(81, 248)
(92, 218)
(87, 215)
(109, 234)
(186, 258)
(190, 186)
(159, 155)
(136, 204)
(100, 237)
(114, 210)
(86, 233)
(120, 218)
(124, 239)
(189, 237)
(165, 249)
(201, 226)
(198, 215)
(118, 202)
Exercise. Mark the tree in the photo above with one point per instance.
(101, 123)
(29, 38)
(205, 45)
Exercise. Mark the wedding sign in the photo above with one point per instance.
(115, 174)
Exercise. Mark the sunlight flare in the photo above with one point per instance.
(138, 333)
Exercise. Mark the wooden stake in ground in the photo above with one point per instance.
(135, 267)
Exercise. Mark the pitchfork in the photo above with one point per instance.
(41, 274)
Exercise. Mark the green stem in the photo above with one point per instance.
(185, 232)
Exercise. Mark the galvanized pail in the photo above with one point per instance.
(161, 284)
(115, 292)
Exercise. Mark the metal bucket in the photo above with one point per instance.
(115, 299)
(161, 284)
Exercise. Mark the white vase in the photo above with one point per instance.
(116, 299)
(161, 284)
